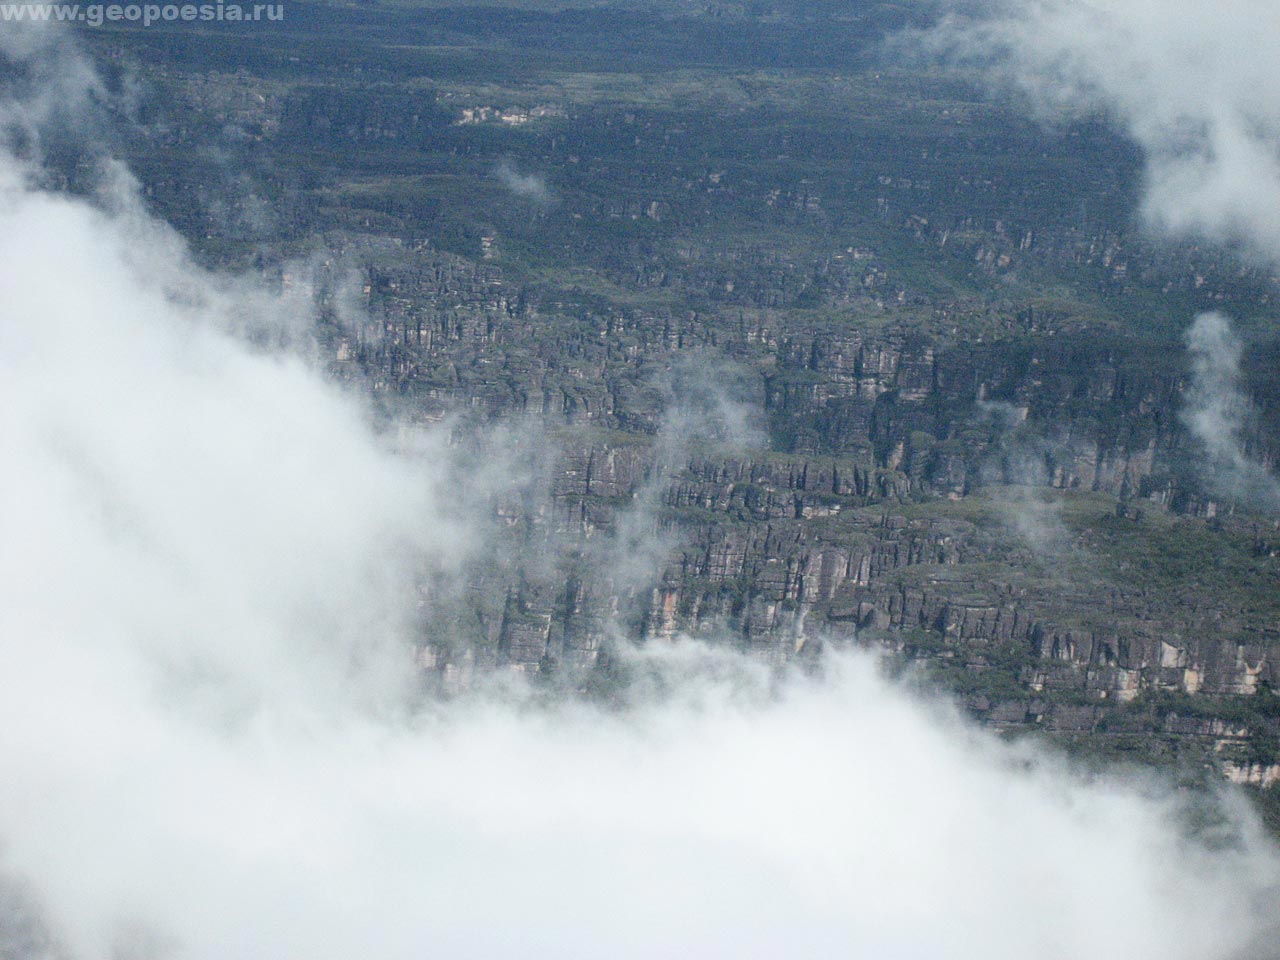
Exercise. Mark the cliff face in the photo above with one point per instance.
(1074, 416)
(1079, 410)
(884, 519)
(1062, 610)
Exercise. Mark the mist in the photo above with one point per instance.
(1218, 413)
(1020, 463)
(527, 186)
(215, 743)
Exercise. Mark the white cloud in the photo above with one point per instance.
(1196, 84)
